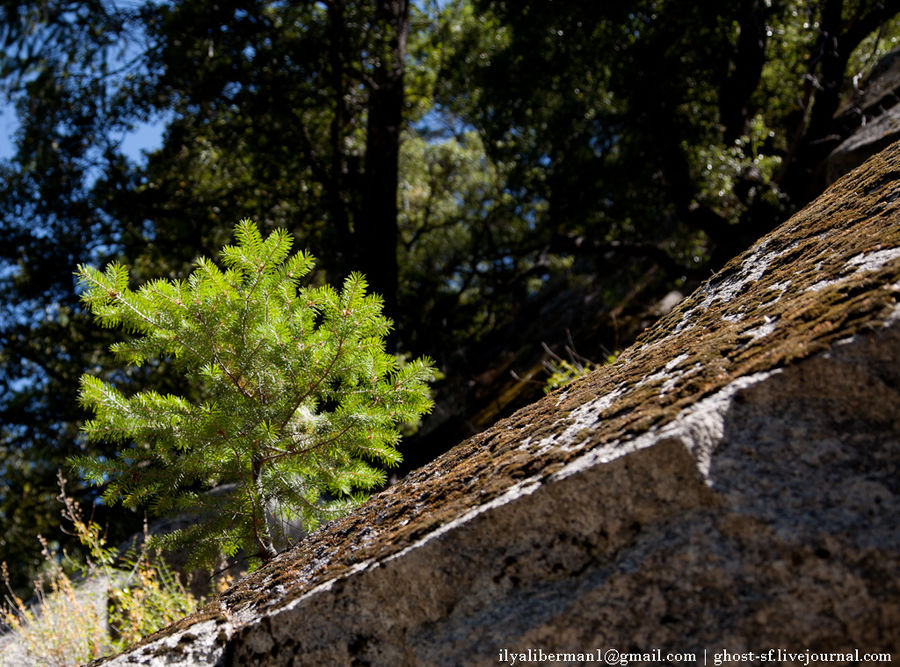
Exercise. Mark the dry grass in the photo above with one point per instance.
(108, 605)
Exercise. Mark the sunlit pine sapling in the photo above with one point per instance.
(300, 402)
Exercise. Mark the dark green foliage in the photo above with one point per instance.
(692, 127)
(299, 397)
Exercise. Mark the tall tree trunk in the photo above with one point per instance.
(337, 196)
(376, 228)
(749, 58)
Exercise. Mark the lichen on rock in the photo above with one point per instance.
(731, 482)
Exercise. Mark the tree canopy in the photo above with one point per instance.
(500, 171)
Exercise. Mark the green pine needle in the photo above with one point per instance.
(300, 400)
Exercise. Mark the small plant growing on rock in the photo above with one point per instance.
(299, 397)
(563, 371)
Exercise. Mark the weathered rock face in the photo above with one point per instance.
(730, 483)
(871, 118)
(868, 139)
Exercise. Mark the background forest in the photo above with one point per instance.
(508, 175)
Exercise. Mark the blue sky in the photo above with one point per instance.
(146, 137)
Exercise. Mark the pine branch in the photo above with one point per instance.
(268, 357)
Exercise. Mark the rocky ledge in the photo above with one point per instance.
(730, 483)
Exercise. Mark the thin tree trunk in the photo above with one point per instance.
(839, 35)
(261, 529)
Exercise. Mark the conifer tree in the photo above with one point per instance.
(299, 397)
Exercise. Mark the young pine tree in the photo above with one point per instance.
(299, 396)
